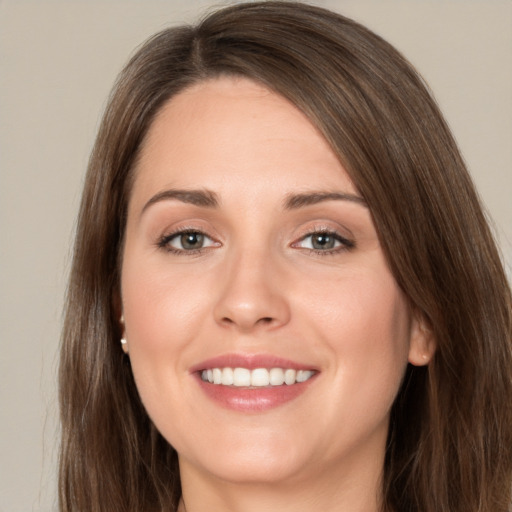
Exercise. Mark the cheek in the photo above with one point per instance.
(160, 306)
(161, 320)
(382, 347)
(365, 322)
(359, 309)
(161, 313)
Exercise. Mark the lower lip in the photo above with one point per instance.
(253, 399)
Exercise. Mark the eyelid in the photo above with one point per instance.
(163, 241)
(343, 243)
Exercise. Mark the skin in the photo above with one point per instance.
(258, 287)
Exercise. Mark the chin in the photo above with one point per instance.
(260, 462)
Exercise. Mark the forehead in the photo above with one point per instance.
(228, 104)
(236, 130)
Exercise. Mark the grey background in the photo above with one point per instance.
(58, 61)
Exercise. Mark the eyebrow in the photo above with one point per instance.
(208, 199)
(204, 198)
(296, 201)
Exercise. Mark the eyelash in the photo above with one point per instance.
(345, 243)
(164, 241)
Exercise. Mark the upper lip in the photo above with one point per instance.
(249, 361)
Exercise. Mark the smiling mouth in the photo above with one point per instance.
(255, 378)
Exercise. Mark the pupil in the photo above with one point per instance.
(192, 240)
(323, 241)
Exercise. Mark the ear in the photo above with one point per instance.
(124, 343)
(423, 344)
(118, 312)
(117, 308)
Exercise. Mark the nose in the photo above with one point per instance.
(252, 294)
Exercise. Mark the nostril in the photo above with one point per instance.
(267, 320)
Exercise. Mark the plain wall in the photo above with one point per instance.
(58, 61)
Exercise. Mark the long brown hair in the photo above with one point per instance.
(450, 436)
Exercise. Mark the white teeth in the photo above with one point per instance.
(276, 377)
(217, 376)
(241, 377)
(289, 376)
(304, 375)
(227, 376)
(259, 377)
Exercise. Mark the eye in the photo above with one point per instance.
(186, 241)
(324, 241)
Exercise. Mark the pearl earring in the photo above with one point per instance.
(124, 345)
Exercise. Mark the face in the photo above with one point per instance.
(267, 336)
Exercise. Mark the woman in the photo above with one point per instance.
(284, 290)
